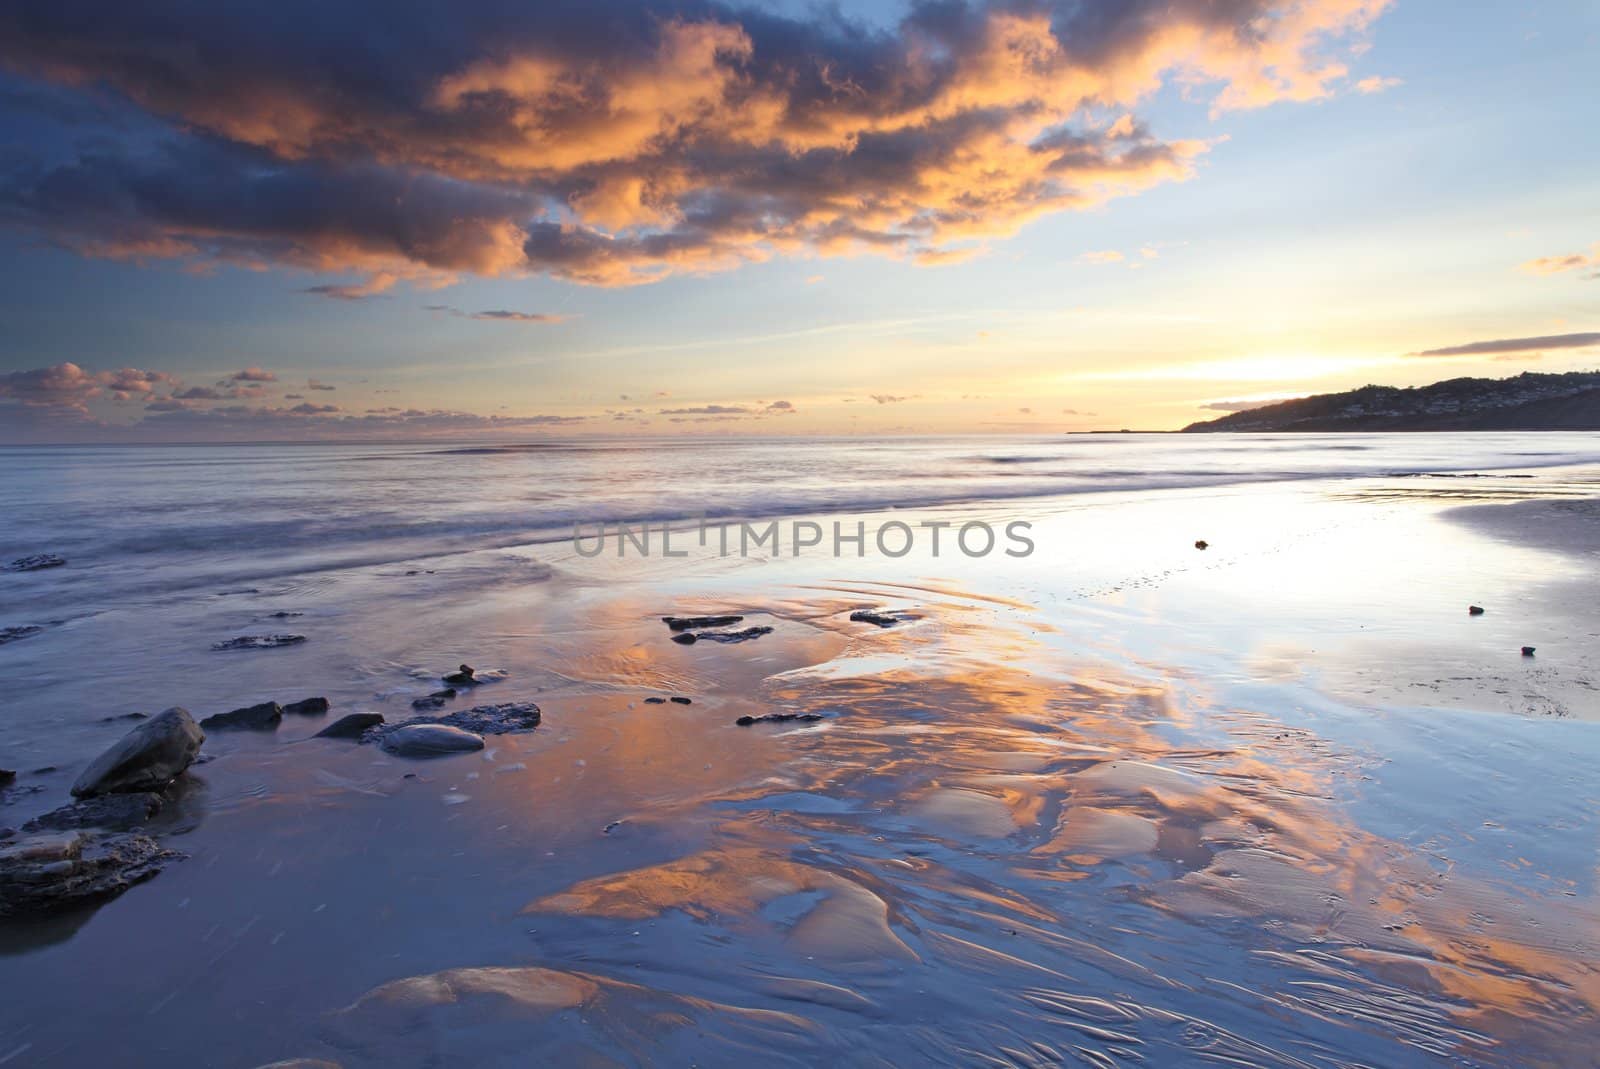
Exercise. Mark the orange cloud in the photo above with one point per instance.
(1588, 264)
(620, 147)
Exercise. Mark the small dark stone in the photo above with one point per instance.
(352, 726)
(462, 677)
(695, 623)
(284, 615)
(307, 707)
(256, 717)
(686, 638)
(7, 777)
(777, 718)
(122, 716)
(729, 637)
(1527, 651)
(36, 562)
(1474, 610)
(258, 642)
(655, 701)
(1201, 544)
(681, 701)
(435, 700)
(882, 619)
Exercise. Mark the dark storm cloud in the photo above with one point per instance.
(611, 142)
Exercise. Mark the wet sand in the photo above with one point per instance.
(1128, 804)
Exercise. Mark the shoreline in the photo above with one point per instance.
(1025, 793)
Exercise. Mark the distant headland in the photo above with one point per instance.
(1527, 402)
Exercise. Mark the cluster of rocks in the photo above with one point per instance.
(87, 849)
(430, 736)
(258, 642)
(99, 844)
(687, 630)
(35, 562)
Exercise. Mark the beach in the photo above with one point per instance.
(1277, 801)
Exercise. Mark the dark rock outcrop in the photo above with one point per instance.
(258, 642)
(1527, 651)
(655, 701)
(695, 623)
(112, 812)
(679, 700)
(53, 870)
(1528, 402)
(307, 707)
(147, 758)
(263, 717)
(352, 726)
(35, 562)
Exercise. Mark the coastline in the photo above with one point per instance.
(1134, 795)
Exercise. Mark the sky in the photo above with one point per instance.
(307, 221)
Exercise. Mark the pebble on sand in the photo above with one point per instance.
(258, 642)
(428, 740)
(1474, 610)
(1201, 544)
(1527, 651)
(880, 619)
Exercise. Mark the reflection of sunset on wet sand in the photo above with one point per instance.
(1279, 802)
